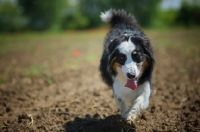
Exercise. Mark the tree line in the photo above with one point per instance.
(43, 15)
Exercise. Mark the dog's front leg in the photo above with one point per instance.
(122, 104)
(139, 104)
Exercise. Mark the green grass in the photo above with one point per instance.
(49, 80)
(175, 38)
(35, 71)
(89, 43)
(32, 41)
(3, 76)
(48, 41)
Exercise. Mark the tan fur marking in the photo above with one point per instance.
(134, 52)
(115, 65)
(145, 64)
(120, 74)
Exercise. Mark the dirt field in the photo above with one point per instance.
(50, 82)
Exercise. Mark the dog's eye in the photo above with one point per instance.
(137, 56)
(122, 57)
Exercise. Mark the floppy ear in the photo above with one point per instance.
(113, 45)
(147, 47)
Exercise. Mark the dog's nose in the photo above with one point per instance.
(130, 75)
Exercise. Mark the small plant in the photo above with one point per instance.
(35, 71)
(2, 78)
(49, 80)
(4, 75)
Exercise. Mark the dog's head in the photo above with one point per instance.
(131, 59)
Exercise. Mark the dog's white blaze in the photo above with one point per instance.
(130, 66)
(106, 16)
(127, 47)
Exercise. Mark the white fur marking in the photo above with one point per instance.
(127, 47)
(130, 66)
(107, 16)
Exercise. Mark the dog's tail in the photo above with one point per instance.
(115, 17)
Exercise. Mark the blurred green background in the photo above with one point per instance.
(59, 15)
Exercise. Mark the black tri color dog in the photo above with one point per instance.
(127, 63)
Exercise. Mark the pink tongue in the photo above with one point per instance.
(131, 83)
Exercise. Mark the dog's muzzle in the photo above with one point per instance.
(131, 81)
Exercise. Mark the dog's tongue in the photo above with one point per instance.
(131, 83)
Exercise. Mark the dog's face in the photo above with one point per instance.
(128, 59)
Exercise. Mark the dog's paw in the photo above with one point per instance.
(128, 119)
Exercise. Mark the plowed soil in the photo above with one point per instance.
(51, 83)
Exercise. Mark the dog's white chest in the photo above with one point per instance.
(123, 92)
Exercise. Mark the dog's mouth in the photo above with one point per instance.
(131, 83)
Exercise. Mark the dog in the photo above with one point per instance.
(127, 63)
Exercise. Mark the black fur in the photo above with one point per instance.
(124, 27)
(120, 16)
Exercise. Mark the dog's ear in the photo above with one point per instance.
(147, 47)
(113, 45)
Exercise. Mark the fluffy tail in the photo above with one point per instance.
(114, 17)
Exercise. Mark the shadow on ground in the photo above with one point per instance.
(109, 124)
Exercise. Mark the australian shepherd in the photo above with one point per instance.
(127, 63)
